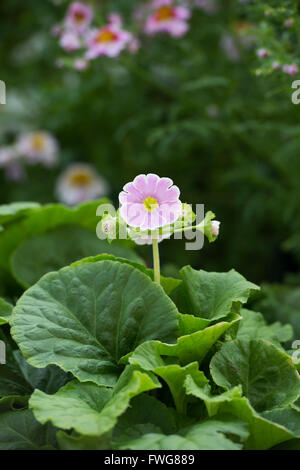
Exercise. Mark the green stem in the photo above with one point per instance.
(156, 264)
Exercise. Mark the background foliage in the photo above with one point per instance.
(229, 138)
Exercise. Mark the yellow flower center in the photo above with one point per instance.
(106, 36)
(38, 141)
(150, 204)
(80, 178)
(79, 17)
(164, 13)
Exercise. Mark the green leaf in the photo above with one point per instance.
(207, 435)
(87, 408)
(17, 377)
(44, 219)
(15, 210)
(145, 410)
(212, 295)
(263, 433)
(19, 430)
(189, 348)
(12, 381)
(189, 324)
(88, 316)
(254, 326)
(148, 356)
(293, 444)
(167, 283)
(5, 311)
(288, 417)
(48, 379)
(203, 392)
(76, 442)
(13, 402)
(58, 248)
(267, 375)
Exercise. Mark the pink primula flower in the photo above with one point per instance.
(167, 18)
(109, 40)
(150, 202)
(79, 17)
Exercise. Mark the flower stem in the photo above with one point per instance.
(156, 264)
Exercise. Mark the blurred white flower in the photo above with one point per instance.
(230, 48)
(38, 147)
(78, 183)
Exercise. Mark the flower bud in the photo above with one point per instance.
(215, 226)
(108, 226)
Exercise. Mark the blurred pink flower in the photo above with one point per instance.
(79, 17)
(262, 53)
(134, 46)
(288, 23)
(209, 6)
(291, 69)
(15, 172)
(69, 41)
(56, 30)
(167, 18)
(109, 40)
(10, 162)
(80, 64)
(38, 147)
(276, 65)
(116, 19)
(149, 202)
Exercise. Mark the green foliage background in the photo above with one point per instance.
(151, 112)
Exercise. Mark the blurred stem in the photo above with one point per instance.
(156, 264)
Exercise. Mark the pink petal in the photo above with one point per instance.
(140, 183)
(151, 184)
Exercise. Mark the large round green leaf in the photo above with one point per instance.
(58, 248)
(16, 210)
(43, 219)
(85, 318)
(87, 408)
(211, 295)
(267, 375)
